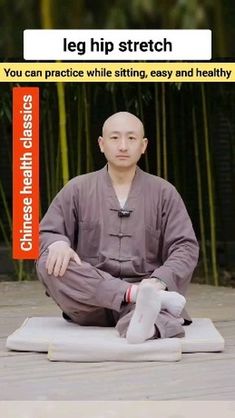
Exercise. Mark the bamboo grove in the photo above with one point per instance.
(190, 127)
(181, 123)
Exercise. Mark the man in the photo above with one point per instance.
(117, 245)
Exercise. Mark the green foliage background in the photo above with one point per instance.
(190, 126)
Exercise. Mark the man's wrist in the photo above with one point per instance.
(59, 241)
(160, 281)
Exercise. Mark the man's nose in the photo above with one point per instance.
(123, 144)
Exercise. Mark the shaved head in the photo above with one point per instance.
(122, 140)
(121, 118)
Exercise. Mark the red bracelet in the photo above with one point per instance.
(128, 294)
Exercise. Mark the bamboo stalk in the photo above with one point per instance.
(200, 199)
(71, 124)
(21, 270)
(164, 141)
(158, 129)
(63, 136)
(210, 190)
(5, 235)
(183, 147)
(47, 23)
(89, 161)
(173, 143)
(58, 184)
(46, 14)
(5, 205)
(125, 98)
(54, 149)
(113, 97)
(79, 136)
(220, 32)
(141, 114)
(46, 163)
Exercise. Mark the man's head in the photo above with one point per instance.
(122, 140)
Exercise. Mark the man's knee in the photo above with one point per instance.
(99, 317)
(43, 274)
(41, 267)
(169, 326)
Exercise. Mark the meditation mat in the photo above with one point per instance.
(66, 341)
(202, 336)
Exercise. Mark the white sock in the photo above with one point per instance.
(147, 308)
(172, 302)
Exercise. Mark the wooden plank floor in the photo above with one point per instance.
(200, 376)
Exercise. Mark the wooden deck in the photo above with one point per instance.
(201, 376)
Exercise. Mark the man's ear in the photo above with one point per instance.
(100, 141)
(145, 143)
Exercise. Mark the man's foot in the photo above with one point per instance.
(172, 302)
(148, 306)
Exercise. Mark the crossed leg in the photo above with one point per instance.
(90, 296)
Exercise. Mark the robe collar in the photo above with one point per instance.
(135, 189)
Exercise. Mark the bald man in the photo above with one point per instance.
(117, 245)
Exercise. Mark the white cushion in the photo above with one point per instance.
(66, 341)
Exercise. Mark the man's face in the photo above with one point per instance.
(123, 140)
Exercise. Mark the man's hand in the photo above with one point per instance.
(157, 283)
(59, 256)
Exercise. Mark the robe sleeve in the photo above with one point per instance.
(180, 248)
(60, 223)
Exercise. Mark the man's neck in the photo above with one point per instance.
(123, 177)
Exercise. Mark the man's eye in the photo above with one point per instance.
(114, 137)
(132, 138)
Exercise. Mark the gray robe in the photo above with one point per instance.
(155, 240)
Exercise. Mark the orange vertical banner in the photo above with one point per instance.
(25, 230)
